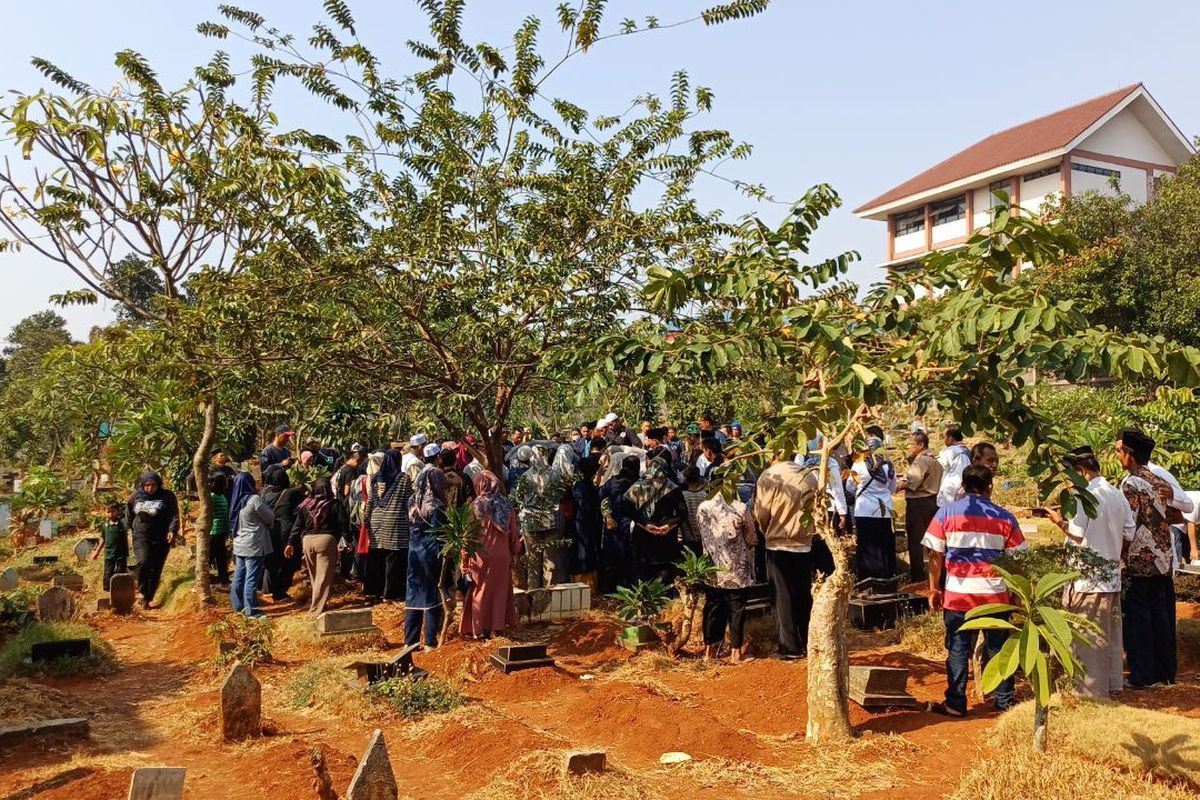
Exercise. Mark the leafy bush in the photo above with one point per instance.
(642, 602)
(42, 491)
(1046, 559)
(414, 699)
(18, 608)
(247, 640)
(15, 653)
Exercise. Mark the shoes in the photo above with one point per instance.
(945, 710)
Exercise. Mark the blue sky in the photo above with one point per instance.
(858, 94)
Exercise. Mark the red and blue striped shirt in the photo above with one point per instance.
(973, 532)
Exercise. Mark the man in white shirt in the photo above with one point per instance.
(413, 461)
(1098, 598)
(954, 458)
(874, 485)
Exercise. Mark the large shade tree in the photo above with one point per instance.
(495, 230)
(969, 350)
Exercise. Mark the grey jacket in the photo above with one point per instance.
(253, 539)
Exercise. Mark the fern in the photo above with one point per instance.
(339, 12)
(739, 9)
(60, 77)
(248, 18)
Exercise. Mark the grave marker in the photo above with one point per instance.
(157, 783)
(103, 604)
(346, 622)
(84, 547)
(73, 727)
(122, 592)
(56, 605)
(63, 648)
(515, 658)
(5, 518)
(581, 762)
(45, 559)
(9, 580)
(876, 687)
(46, 529)
(241, 705)
(374, 779)
(400, 666)
(72, 582)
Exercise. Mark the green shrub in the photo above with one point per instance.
(414, 699)
(247, 640)
(642, 602)
(18, 608)
(15, 653)
(42, 491)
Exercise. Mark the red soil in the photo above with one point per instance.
(160, 709)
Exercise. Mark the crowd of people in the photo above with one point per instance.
(608, 506)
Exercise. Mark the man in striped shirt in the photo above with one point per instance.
(964, 539)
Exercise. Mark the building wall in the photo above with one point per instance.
(950, 230)
(1038, 190)
(910, 241)
(1133, 179)
(1125, 136)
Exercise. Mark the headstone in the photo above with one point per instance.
(73, 727)
(5, 518)
(45, 559)
(62, 648)
(515, 658)
(347, 621)
(122, 591)
(582, 762)
(72, 582)
(46, 529)
(876, 687)
(85, 547)
(56, 605)
(9, 580)
(882, 611)
(241, 705)
(374, 779)
(103, 604)
(400, 666)
(157, 783)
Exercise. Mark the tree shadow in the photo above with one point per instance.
(1168, 758)
(56, 782)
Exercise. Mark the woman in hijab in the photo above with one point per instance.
(386, 516)
(320, 532)
(152, 516)
(488, 605)
(426, 512)
(659, 515)
(284, 501)
(615, 550)
(251, 545)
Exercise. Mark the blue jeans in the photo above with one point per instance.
(959, 646)
(433, 625)
(247, 580)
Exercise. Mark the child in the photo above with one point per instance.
(218, 534)
(116, 545)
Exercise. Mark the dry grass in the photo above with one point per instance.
(1056, 776)
(25, 701)
(299, 631)
(923, 635)
(1187, 634)
(870, 764)
(646, 670)
(539, 775)
(321, 687)
(1135, 741)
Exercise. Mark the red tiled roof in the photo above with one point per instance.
(1026, 140)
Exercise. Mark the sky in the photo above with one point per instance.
(860, 95)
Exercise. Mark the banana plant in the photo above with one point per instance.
(696, 572)
(1040, 635)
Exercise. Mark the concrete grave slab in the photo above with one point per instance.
(880, 687)
(347, 621)
(73, 727)
(157, 783)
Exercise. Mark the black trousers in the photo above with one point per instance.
(918, 513)
(1148, 627)
(218, 556)
(790, 576)
(724, 608)
(395, 575)
(876, 553)
(112, 566)
(151, 555)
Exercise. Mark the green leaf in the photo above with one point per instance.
(1031, 644)
(987, 624)
(1052, 582)
(1001, 666)
(865, 374)
(1041, 680)
(990, 609)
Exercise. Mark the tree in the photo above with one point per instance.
(495, 230)
(967, 350)
(29, 343)
(148, 186)
(1140, 268)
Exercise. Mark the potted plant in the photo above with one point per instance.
(640, 604)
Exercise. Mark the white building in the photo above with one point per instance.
(1123, 135)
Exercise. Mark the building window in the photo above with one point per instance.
(1108, 173)
(910, 222)
(1041, 173)
(949, 210)
(999, 186)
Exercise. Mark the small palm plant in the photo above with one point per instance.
(459, 536)
(696, 572)
(642, 602)
(1040, 635)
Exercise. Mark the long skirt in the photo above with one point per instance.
(424, 567)
(876, 555)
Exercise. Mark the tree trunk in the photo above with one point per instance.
(204, 519)
(828, 663)
(493, 445)
(1041, 718)
(448, 599)
(691, 599)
